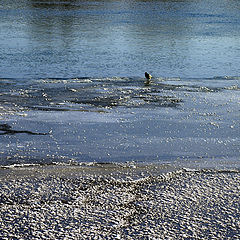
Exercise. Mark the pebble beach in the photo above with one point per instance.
(182, 204)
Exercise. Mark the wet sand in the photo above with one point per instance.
(118, 203)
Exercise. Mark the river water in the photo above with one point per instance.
(72, 82)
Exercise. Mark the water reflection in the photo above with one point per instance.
(47, 4)
(123, 30)
(59, 38)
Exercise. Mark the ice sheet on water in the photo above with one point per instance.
(119, 119)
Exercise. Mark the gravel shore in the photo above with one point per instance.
(174, 205)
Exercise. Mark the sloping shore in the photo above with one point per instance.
(180, 204)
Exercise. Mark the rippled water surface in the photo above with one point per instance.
(61, 38)
(72, 84)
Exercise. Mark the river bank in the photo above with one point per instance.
(180, 204)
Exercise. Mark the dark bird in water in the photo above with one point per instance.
(148, 77)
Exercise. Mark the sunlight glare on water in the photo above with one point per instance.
(72, 81)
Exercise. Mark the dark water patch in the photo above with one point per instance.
(7, 129)
(58, 94)
(28, 160)
(132, 101)
(5, 82)
(62, 109)
(99, 93)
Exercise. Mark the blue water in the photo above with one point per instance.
(72, 82)
(119, 38)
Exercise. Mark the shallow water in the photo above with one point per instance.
(189, 121)
(60, 101)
